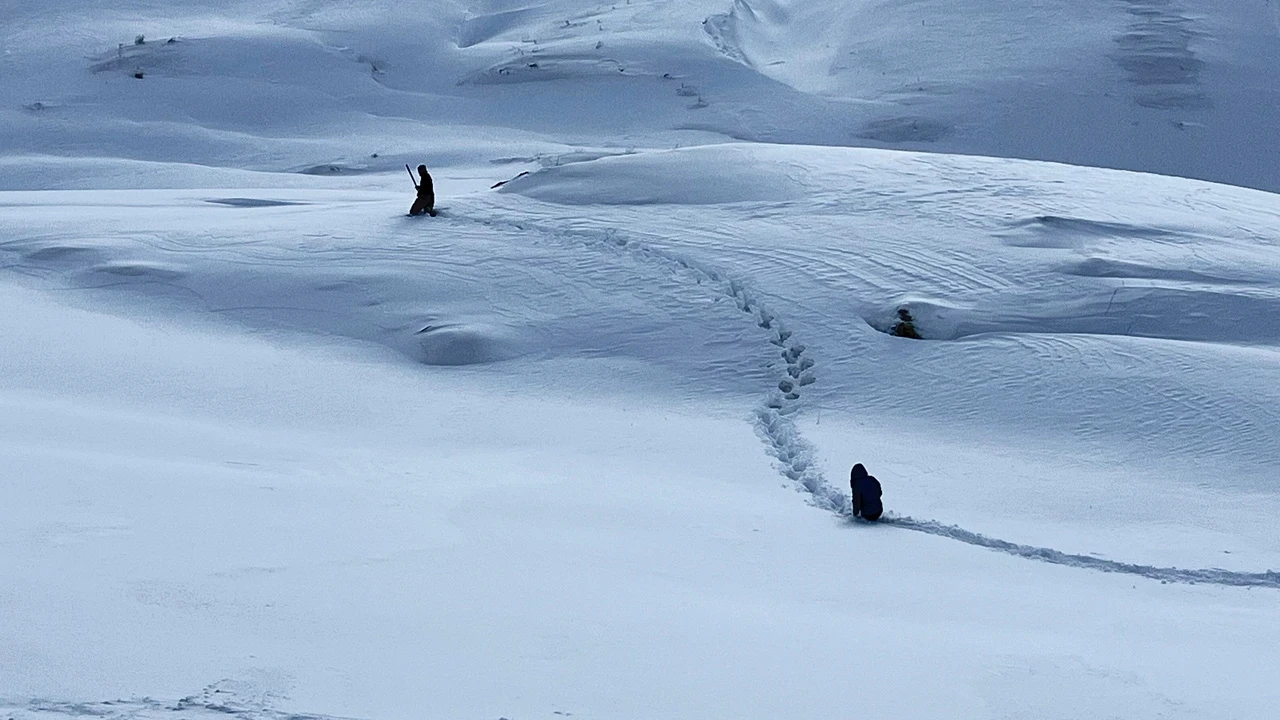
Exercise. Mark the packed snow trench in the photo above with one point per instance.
(579, 446)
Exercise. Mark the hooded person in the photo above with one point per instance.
(866, 494)
(425, 204)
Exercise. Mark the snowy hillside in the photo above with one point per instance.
(1183, 88)
(580, 446)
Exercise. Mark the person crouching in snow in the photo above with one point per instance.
(426, 202)
(866, 494)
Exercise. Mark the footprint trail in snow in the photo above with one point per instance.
(794, 453)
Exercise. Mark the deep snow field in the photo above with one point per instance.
(579, 446)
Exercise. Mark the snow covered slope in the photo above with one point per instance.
(578, 446)
(1184, 88)
(565, 479)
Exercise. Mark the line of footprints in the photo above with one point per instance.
(799, 368)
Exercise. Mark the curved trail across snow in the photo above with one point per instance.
(1213, 576)
(784, 441)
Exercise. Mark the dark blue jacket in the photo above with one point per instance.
(866, 494)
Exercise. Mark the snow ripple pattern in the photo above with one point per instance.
(795, 454)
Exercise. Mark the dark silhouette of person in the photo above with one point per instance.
(866, 494)
(425, 204)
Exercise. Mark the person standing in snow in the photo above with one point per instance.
(425, 204)
(866, 494)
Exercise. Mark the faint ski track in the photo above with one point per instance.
(784, 441)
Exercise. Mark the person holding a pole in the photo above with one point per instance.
(425, 204)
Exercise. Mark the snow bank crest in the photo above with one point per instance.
(695, 176)
(462, 344)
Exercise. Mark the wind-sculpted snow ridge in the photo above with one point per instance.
(1214, 576)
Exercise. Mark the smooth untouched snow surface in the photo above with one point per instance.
(578, 447)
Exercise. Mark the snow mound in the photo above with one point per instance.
(463, 344)
(710, 175)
